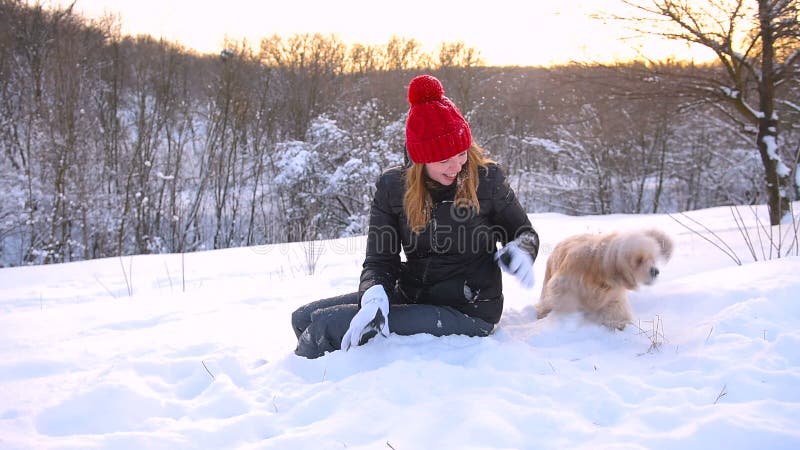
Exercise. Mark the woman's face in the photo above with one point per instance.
(445, 172)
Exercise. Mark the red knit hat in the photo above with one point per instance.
(435, 129)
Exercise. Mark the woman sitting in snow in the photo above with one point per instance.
(448, 209)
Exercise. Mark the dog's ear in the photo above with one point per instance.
(665, 243)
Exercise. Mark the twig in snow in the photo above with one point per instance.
(104, 287)
(183, 273)
(727, 250)
(795, 226)
(709, 334)
(125, 274)
(722, 393)
(551, 367)
(390, 445)
(273, 402)
(764, 240)
(655, 334)
(209, 372)
(169, 277)
(737, 217)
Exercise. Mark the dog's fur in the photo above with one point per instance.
(592, 274)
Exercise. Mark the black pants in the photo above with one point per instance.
(321, 325)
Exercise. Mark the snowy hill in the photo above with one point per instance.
(195, 352)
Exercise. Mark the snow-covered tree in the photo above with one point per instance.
(325, 181)
(757, 45)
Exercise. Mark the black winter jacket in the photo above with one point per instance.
(451, 262)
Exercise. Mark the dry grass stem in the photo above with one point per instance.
(655, 333)
(721, 394)
(105, 287)
(762, 241)
(727, 250)
(709, 334)
(209, 372)
(128, 276)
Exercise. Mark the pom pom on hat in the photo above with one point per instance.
(435, 128)
(424, 88)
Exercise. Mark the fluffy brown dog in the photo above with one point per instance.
(592, 274)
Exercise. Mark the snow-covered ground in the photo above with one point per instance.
(165, 352)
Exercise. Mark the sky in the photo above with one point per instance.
(196, 352)
(507, 32)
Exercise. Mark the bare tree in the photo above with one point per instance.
(363, 59)
(29, 42)
(404, 54)
(68, 120)
(757, 45)
(309, 65)
(459, 69)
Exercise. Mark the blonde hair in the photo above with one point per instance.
(417, 201)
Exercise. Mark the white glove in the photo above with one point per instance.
(517, 262)
(371, 319)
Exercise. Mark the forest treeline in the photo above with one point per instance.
(114, 145)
